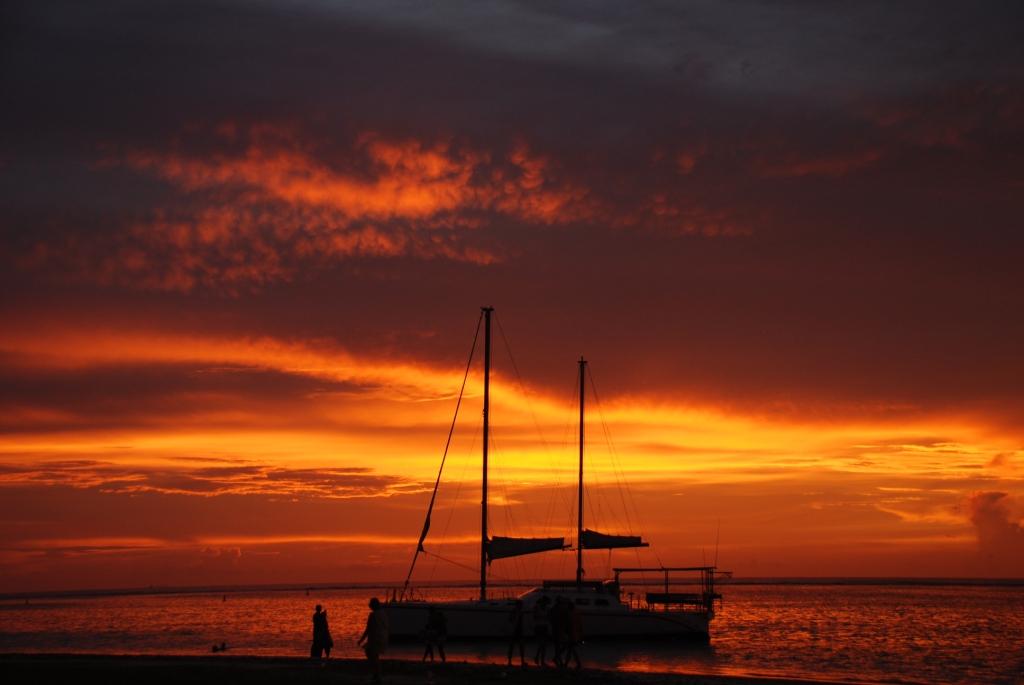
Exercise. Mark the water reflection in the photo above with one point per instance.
(944, 634)
(660, 656)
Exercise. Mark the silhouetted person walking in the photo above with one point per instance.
(435, 634)
(376, 637)
(516, 621)
(541, 630)
(328, 640)
(322, 641)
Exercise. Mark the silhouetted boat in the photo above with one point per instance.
(605, 614)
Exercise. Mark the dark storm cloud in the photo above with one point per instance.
(862, 157)
(742, 46)
(135, 396)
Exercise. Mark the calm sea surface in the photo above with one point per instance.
(874, 633)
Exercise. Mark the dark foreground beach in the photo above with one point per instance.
(222, 670)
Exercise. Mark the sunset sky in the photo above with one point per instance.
(244, 246)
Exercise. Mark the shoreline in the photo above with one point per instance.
(257, 670)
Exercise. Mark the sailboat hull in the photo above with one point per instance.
(469, 620)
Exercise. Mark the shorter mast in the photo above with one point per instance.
(579, 513)
(486, 436)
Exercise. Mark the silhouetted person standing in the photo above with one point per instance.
(541, 630)
(557, 619)
(516, 621)
(574, 634)
(322, 641)
(376, 637)
(435, 634)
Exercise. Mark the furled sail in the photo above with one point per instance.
(594, 540)
(501, 547)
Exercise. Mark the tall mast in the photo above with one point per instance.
(483, 497)
(579, 514)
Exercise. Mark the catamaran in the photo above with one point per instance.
(605, 613)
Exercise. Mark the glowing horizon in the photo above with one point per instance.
(240, 290)
(887, 470)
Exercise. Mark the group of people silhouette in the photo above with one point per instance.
(374, 639)
(556, 624)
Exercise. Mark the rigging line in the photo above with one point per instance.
(570, 438)
(506, 509)
(450, 561)
(569, 432)
(718, 533)
(458, 491)
(564, 498)
(519, 379)
(616, 464)
(596, 516)
(519, 563)
(557, 487)
(596, 504)
(503, 483)
(621, 478)
(444, 457)
(465, 566)
(617, 471)
(570, 429)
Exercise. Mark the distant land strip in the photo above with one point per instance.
(388, 587)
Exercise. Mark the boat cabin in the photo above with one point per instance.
(590, 593)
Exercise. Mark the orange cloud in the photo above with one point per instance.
(269, 206)
(387, 394)
(404, 179)
(276, 204)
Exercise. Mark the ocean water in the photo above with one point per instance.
(866, 633)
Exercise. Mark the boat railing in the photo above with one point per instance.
(670, 580)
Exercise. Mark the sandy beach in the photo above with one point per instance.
(218, 670)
